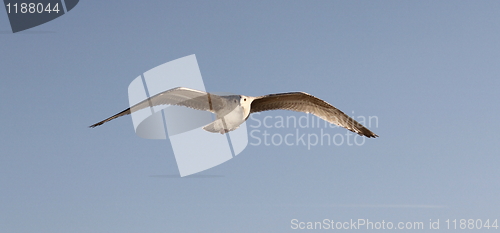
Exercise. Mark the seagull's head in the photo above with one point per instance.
(245, 102)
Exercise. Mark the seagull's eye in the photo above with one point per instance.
(245, 99)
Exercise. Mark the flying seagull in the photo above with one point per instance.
(232, 110)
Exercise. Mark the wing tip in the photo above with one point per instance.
(95, 125)
(367, 133)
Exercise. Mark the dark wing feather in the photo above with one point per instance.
(303, 102)
(179, 96)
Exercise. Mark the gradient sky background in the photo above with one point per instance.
(429, 70)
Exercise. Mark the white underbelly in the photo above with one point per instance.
(233, 119)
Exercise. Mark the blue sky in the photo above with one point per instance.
(428, 70)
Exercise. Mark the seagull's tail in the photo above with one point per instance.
(218, 126)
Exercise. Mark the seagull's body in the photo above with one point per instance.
(232, 110)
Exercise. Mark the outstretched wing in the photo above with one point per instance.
(303, 102)
(180, 96)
